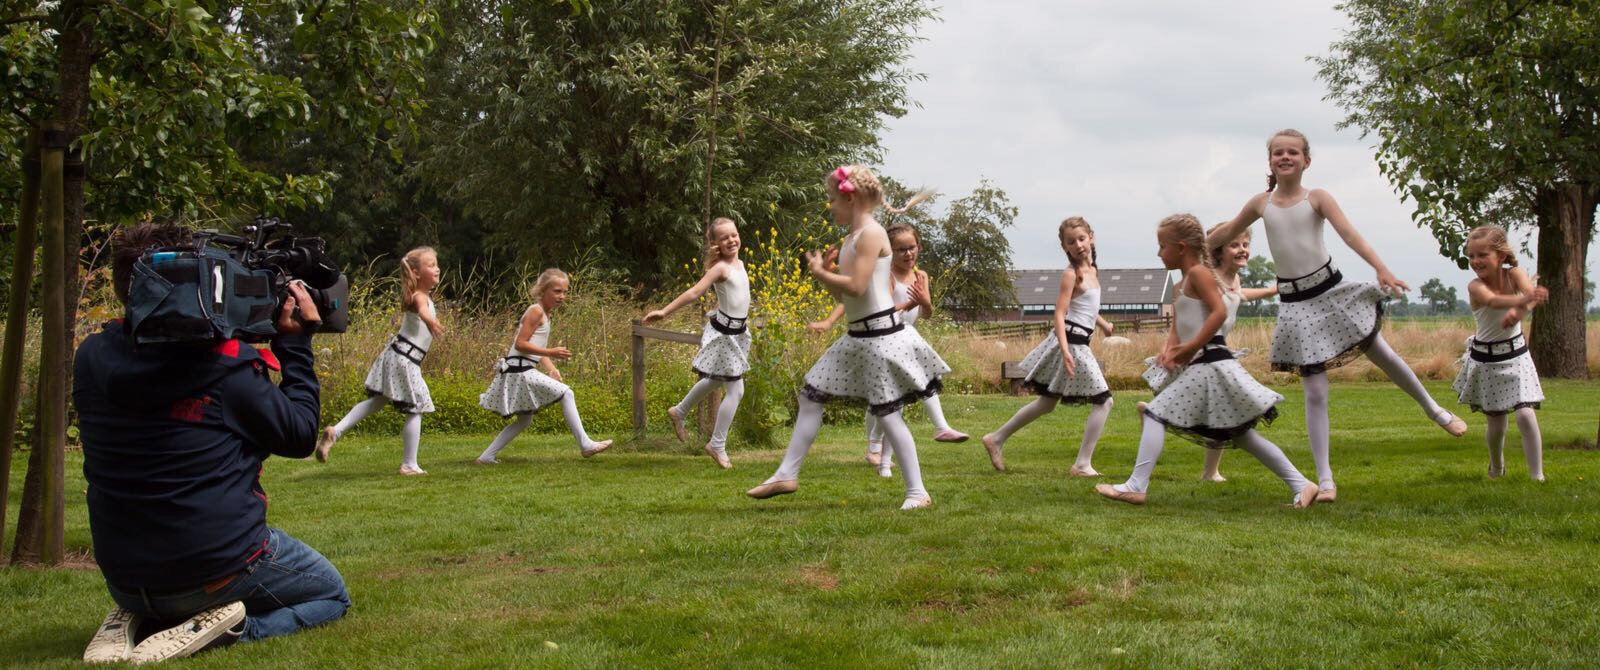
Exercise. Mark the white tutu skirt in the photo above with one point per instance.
(886, 372)
(1501, 387)
(522, 392)
(397, 378)
(722, 357)
(1210, 403)
(1325, 332)
(1047, 376)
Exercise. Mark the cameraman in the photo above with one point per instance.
(174, 437)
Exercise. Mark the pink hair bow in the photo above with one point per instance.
(844, 180)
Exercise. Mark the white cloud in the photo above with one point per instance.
(1125, 112)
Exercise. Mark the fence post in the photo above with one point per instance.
(638, 382)
(17, 318)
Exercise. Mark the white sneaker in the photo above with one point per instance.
(214, 628)
(114, 640)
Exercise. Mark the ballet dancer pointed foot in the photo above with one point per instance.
(325, 444)
(721, 457)
(918, 502)
(951, 435)
(774, 489)
(995, 448)
(1086, 471)
(595, 448)
(1326, 493)
(1451, 423)
(874, 456)
(1307, 496)
(1112, 492)
(677, 424)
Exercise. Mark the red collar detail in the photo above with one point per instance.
(269, 358)
(228, 348)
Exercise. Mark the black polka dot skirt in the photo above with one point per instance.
(1047, 375)
(397, 378)
(1211, 403)
(1325, 332)
(1501, 387)
(522, 392)
(722, 356)
(886, 372)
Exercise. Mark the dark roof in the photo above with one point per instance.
(1119, 286)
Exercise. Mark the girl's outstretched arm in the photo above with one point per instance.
(826, 324)
(1324, 203)
(425, 312)
(1069, 283)
(713, 274)
(1249, 214)
(531, 320)
(1258, 293)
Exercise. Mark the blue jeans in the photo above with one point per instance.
(289, 587)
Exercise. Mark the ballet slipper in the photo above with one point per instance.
(874, 458)
(325, 444)
(1327, 494)
(996, 456)
(595, 448)
(1307, 497)
(1453, 425)
(950, 435)
(1496, 473)
(1213, 477)
(721, 457)
(486, 461)
(773, 489)
(1109, 491)
(677, 424)
(411, 471)
(1082, 471)
(885, 471)
(916, 503)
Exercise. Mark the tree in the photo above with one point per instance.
(1259, 273)
(569, 134)
(1486, 110)
(177, 106)
(1441, 299)
(967, 252)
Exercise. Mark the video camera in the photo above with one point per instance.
(221, 286)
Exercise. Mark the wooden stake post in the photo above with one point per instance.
(642, 332)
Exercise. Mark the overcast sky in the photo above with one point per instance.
(1125, 112)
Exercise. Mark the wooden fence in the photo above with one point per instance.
(1039, 329)
(641, 333)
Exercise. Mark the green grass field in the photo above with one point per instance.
(650, 556)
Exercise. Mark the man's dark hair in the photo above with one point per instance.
(130, 243)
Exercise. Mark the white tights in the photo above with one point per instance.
(1093, 426)
(808, 421)
(1532, 444)
(569, 411)
(410, 431)
(732, 393)
(930, 404)
(1153, 440)
(1316, 391)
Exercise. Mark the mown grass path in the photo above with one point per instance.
(653, 557)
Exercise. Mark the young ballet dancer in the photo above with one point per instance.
(1062, 369)
(1228, 260)
(1497, 376)
(912, 293)
(396, 377)
(1323, 320)
(879, 360)
(724, 354)
(520, 388)
(1206, 396)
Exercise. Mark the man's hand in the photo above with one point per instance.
(309, 317)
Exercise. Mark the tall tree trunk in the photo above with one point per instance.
(1566, 222)
(17, 320)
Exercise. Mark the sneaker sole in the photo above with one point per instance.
(189, 637)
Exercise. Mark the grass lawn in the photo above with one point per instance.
(653, 557)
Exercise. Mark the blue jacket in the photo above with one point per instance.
(173, 444)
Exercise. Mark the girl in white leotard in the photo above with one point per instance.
(1206, 396)
(1324, 321)
(912, 293)
(526, 379)
(1062, 369)
(724, 354)
(396, 376)
(879, 361)
(1497, 375)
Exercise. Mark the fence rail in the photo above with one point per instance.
(1041, 328)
